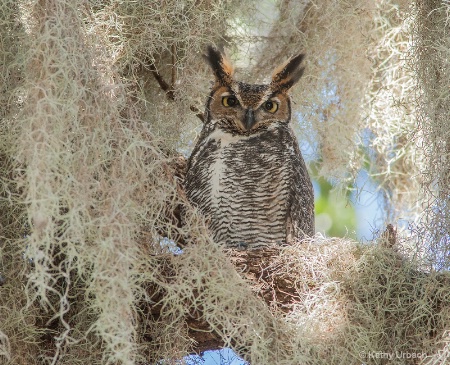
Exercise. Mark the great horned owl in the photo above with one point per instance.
(246, 173)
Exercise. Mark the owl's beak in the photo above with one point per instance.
(249, 119)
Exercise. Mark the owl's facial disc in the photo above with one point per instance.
(245, 109)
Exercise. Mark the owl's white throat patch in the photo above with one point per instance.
(226, 138)
(218, 168)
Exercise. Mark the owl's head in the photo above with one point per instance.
(242, 108)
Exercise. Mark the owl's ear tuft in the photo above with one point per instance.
(221, 66)
(287, 74)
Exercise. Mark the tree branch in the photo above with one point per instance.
(169, 89)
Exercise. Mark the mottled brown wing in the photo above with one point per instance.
(300, 215)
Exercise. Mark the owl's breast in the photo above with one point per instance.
(241, 183)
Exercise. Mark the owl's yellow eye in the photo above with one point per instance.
(271, 106)
(229, 101)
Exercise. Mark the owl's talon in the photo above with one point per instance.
(241, 246)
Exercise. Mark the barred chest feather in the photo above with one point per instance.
(242, 185)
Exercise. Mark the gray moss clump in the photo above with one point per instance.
(89, 141)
